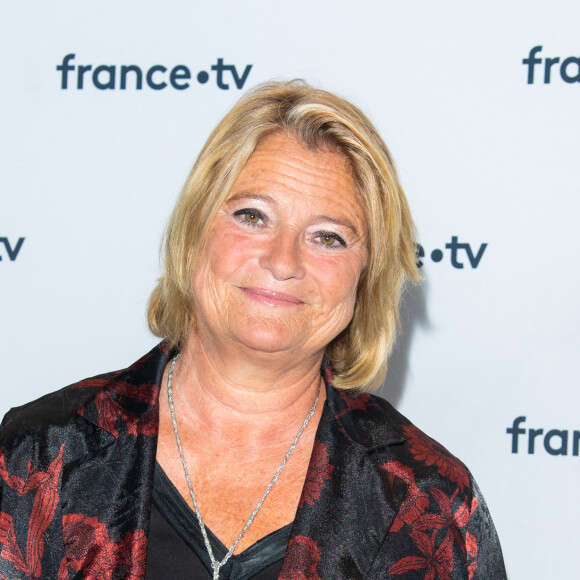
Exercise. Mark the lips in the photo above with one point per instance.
(271, 297)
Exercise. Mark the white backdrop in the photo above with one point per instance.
(89, 177)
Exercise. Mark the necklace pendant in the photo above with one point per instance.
(216, 574)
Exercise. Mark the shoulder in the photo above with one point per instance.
(62, 458)
(441, 512)
(376, 424)
(134, 389)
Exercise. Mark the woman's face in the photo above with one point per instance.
(283, 256)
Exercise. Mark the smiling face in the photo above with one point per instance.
(283, 256)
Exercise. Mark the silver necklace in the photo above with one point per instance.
(214, 563)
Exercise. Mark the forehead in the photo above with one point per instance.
(283, 148)
(282, 166)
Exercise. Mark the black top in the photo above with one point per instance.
(176, 548)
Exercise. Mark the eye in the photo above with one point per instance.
(252, 217)
(330, 239)
(249, 216)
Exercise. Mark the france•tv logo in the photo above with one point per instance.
(105, 76)
(458, 251)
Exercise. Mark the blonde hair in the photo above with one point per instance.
(319, 120)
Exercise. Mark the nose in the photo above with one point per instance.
(281, 256)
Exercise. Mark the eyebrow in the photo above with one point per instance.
(337, 221)
(259, 196)
(320, 217)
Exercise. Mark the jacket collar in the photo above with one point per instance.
(368, 420)
(127, 401)
(346, 526)
(374, 426)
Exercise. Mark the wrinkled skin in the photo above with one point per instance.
(303, 235)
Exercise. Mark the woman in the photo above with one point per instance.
(244, 445)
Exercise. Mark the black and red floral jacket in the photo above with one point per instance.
(381, 499)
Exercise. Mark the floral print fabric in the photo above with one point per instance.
(381, 499)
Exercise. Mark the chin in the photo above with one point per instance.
(266, 337)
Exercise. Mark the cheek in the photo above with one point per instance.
(226, 252)
(337, 281)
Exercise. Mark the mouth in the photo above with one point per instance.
(271, 297)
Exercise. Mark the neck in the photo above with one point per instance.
(258, 396)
